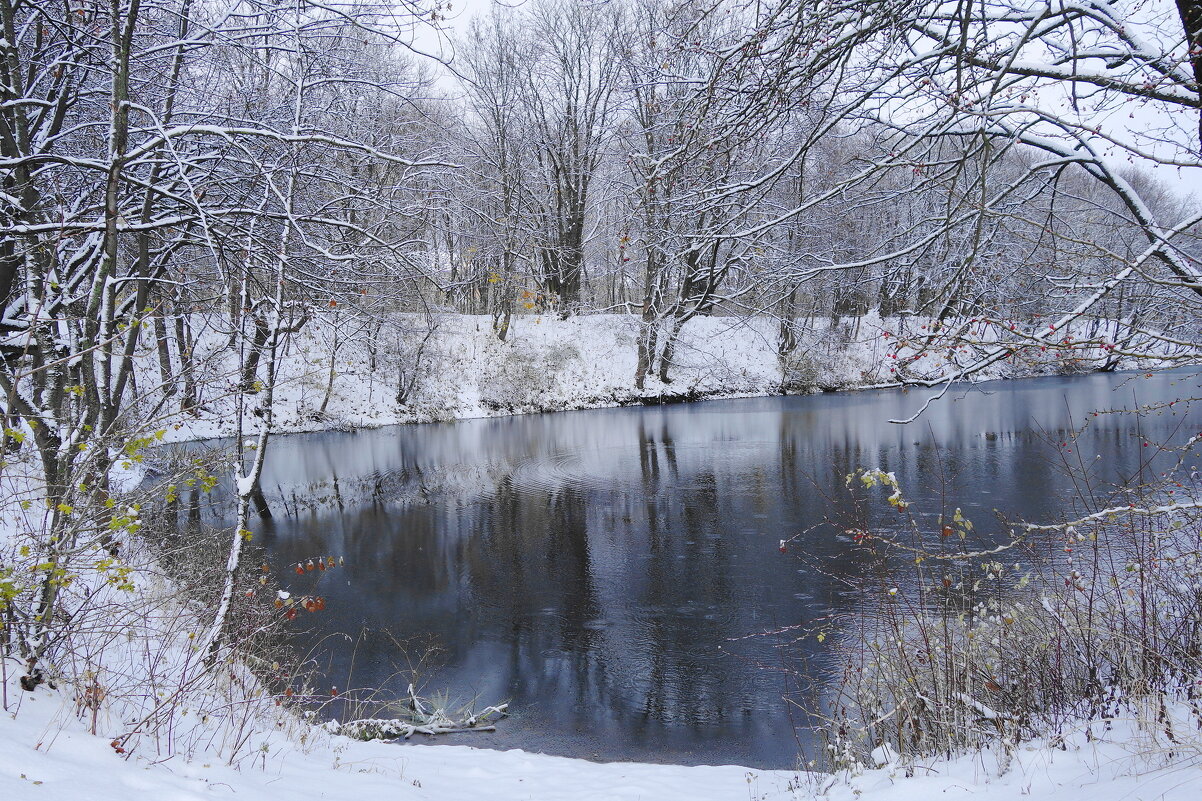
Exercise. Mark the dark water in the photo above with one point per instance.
(616, 574)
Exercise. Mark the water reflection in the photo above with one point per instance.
(604, 570)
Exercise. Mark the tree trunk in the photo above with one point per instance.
(786, 339)
(333, 371)
(250, 367)
(669, 351)
(183, 347)
(1191, 21)
(166, 382)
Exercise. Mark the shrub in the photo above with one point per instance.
(1082, 621)
(523, 376)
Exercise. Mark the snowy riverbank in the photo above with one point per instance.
(453, 367)
(47, 753)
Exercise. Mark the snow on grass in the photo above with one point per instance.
(48, 754)
(449, 367)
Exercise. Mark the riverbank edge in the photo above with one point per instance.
(334, 424)
(463, 372)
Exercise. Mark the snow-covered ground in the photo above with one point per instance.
(47, 753)
(461, 370)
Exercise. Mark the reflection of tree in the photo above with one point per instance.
(649, 470)
(568, 567)
(590, 567)
(687, 564)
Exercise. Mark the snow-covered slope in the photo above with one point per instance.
(453, 367)
(46, 753)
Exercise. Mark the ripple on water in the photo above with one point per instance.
(616, 469)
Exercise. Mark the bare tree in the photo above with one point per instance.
(1002, 108)
(570, 96)
(127, 181)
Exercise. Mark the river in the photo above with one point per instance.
(616, 574)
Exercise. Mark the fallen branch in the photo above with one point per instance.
(419, 719)
(392, 729)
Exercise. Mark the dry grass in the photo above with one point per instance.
(1074, 623)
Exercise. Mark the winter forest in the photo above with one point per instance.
(225, 224)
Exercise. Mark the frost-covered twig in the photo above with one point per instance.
(393, 728)
(981, 709)
(1114, 511)
(420, 720)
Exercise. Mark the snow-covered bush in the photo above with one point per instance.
(1059, 624)
(133, 595)
(799, 373)
(523, 376)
